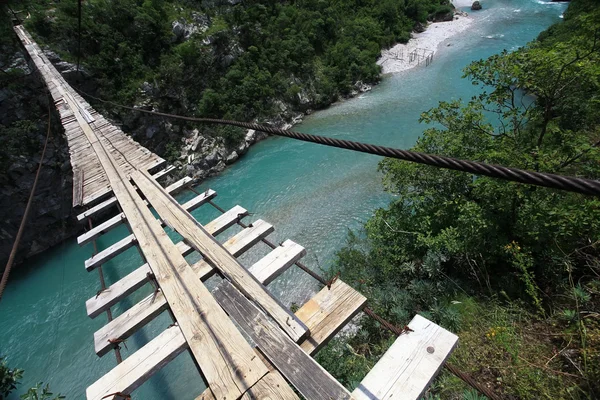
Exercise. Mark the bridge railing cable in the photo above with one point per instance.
(554, 181)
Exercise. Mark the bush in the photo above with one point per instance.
(9, 378)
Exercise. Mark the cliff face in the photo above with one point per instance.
(23, 124)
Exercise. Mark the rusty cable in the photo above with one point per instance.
(13, 252)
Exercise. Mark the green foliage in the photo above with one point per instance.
(40, 392)
(450, 240)
(9, 378)
(247, 57)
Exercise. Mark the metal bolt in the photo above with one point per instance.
(430, 349)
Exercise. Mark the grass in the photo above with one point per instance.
(506, 348)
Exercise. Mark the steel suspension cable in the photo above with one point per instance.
(554, 181)
(15, 246)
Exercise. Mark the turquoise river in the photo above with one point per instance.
(311, 194)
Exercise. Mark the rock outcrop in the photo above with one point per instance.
(23, 124)
(476, 6)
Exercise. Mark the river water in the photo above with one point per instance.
(311, 194)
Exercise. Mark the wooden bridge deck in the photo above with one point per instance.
(110, 169)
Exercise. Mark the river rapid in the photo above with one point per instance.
(311, 194)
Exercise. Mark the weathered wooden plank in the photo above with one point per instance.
(164, 172)
(97, 208)
(129, 322)
(140, 366)
(120, 218)
(77, 187)
(177, 186)
(199, 200)
(236, 245)
(225, 220)
(327, 312)
(110, 252)
(277, 261)
(196, 236)
(272, 386)
(113, 201)
(410, 364)
(117, 291)
(226, 359)
(304, 373)
(101, 229)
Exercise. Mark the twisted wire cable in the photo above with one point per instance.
(554, 181)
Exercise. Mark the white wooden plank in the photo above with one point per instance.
(199, 200)
(164, 172)
(410, 364)
(140, 366)
(225, 220)
(110, 252)
(117, 291)
(97, 208)
(129, 322)
(237, 245)
(177, 186)
(277, 261)
(101, 229)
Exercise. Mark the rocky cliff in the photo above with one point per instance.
(23, 124)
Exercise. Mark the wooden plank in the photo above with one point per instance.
(304, 373)
(110, 252)
(140, 366)
(129, 322)
(164, 172)
(179, 185)
(226, 359)
(113, 201)
(328, 312)
(97, 208)
(410, 364)
(117, 291)
(277, 261)
(272, 386)
(199, 200)
(237, 245)
(101, 229)
(77, 187)
(226, 219)
(196, 236)
(119, 219)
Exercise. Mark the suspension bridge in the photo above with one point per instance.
(244, 342)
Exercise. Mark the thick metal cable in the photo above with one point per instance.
(13, 251)
(568, 183)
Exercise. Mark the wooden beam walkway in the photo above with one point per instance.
(113, 173)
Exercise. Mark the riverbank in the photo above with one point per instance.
(427, 43)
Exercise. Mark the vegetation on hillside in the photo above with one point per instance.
(242, 57)
(513, 269)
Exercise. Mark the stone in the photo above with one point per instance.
(420, 28)
(476, 5)
(250, 135)
(212, 158)
(231, 157)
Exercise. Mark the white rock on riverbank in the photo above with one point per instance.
(396, 59)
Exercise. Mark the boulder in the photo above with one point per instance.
(476, 5)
